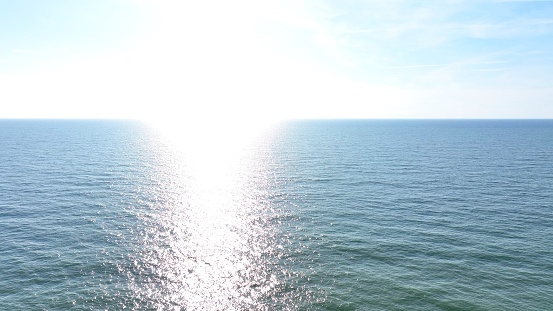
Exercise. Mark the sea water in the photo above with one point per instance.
(308, 215)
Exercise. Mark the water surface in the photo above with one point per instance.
(312, 215)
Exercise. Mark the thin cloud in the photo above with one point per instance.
(416, 66)
(523, 1)
(24, 51)
(491, 69)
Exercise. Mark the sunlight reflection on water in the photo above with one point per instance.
(210, 240)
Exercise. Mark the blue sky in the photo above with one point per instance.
(276, 59)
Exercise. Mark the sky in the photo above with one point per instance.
(276, 59)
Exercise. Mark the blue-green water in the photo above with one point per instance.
(312, 215)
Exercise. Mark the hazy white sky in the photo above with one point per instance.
(273, 59)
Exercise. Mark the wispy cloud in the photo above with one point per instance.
(24, 51)
(378, 35)
(523, 0)
(416, 66)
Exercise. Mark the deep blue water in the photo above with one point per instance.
(312, 215)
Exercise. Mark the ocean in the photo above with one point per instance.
(307, 215)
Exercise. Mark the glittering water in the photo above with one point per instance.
(310, 215)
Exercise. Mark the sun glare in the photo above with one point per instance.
(201, 140)
(211, 165)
